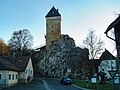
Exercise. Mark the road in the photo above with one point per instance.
(55, 85)
(42, 84)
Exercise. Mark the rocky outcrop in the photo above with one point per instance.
(62, 54)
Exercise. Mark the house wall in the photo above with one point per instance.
(107, 65)
(14, 77)
(22, 77)
(29, 69)
(27, 73)
(5, 77)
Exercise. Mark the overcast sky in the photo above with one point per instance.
(77, 17)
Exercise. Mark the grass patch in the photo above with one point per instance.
(82, 83)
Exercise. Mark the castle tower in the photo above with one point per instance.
(53, 26)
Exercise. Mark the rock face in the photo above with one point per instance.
(63, 55)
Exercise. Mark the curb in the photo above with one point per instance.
(81, 87)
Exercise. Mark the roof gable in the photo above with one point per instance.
(53, 12)
(113, 24)
(6, 65)
(106, 55)
(22, 62)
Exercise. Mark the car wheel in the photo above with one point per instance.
(63, 83)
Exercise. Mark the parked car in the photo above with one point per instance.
(65, 80)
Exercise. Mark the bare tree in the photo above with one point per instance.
(20, 42)
(94, 44)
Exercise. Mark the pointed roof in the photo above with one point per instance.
(106, 55)
(113, 24)
(22, 62)
(6, 65)
(53, 12)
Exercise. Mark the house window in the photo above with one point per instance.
(13, 77)
(0, 76)
(26, 71)
(107, 62)
(9, 76)
(16, 76)
(31, 71)
(111, 62)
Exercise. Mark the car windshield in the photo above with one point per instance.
(66, 78)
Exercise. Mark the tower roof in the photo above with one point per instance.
(53, 12)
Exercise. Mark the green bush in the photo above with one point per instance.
(83, 84)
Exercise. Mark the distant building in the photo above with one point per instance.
(24, 63)
(53, 26)
(108, 62)
(20, 70)
(8, 73)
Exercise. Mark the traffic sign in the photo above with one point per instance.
(112, 73)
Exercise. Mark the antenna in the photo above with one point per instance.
(115, 13)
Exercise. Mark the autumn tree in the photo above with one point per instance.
(20, 42)
(4, 49)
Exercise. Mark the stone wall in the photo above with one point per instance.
(63, 54)
(53, 30)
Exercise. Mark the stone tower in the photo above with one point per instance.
(53, 26)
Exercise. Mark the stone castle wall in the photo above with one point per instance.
(53, 30)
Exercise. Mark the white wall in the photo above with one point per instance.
(13, 79)
(5, 76)
(107, 65)
(28, 72)
(29, 69)
(22, 75)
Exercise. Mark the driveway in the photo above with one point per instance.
(42, 84)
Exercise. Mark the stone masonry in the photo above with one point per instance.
(53, 27)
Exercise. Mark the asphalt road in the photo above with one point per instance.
(54, 84)
(42, 84)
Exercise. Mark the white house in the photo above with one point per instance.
(108, 62)
(8, 73)
(19, 70)
(24, 63)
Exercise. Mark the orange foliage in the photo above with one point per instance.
(4, 49)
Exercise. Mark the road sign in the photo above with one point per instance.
(69, 70)
(112, 73)
(94, 80)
